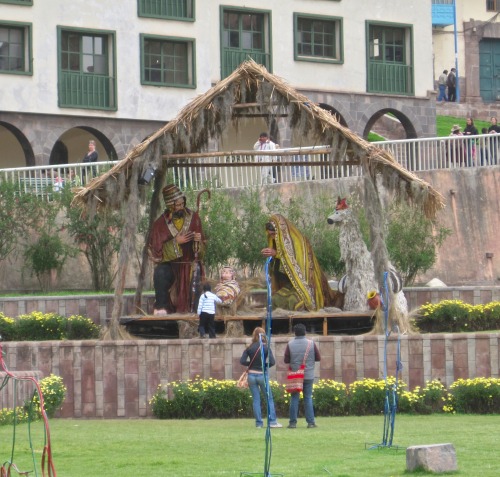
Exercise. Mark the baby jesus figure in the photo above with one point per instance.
(227, 290)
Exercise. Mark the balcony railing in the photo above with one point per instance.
(90, 91)
(390, 78)
(231, 59)
(240, 169)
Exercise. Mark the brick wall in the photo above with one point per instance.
(99, 307)
(117, 379)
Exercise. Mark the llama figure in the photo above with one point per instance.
(360, 277)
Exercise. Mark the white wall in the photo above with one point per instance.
(38, 93)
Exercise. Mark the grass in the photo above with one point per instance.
(211, 448)
(445, 123)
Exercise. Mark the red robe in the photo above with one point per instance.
(164, 231)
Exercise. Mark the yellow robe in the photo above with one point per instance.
(296, 263)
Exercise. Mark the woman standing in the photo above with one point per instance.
(471, 130)
(252, 357)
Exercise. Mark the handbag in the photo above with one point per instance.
(295, 379)
(243, 381)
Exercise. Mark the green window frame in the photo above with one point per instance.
(25, 3)
(244, 33)
(183, 10)
(16, 55)
(318, 38)
(87, 66)
(492, 5)
(168, 61)
(389, 58)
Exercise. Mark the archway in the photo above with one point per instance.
(72, 145)
(334, 113)
(16, 149)
(390, 124)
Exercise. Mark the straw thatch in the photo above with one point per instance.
(208, 115)
(249, 88)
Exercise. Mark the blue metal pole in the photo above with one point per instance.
(455, 34)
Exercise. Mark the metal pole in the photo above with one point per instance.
(455, 34)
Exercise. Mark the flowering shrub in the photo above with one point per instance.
(455, 315)
(197, 398)
(368, 395)
(53, 392)
(9, 417)
(478, 395)
(223, 399)
(38, 326)
(7, 332)
(330, 398)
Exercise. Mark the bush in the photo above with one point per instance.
(53, 392)
(330, 398)
(453, 316)
(7, 331)
(79, 328)
(478, 395)
(368, 395)
(9, 417)
(223, 399)
(38, 326)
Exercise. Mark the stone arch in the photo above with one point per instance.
(18, 140)
(334, 112)
(409, 123)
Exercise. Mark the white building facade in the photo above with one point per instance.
(115, 71)
(474, 40)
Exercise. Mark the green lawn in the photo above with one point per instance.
(445, 123)
(209, 448)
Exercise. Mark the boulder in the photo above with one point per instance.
(431, 458)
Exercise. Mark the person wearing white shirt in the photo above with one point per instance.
(265, 144)
(206, 311)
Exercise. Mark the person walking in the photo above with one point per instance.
(451, 82)
(442, 86)
(206, 311)
(296, 350)
(252, 357)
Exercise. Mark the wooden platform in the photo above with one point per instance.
(343, 322)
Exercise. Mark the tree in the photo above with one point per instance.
(98, 237)
(412, 240)
(251, 237)
(220, 225)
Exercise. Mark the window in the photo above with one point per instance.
(493, 5)
(390, 68)
(318, 38)
(86, 69)
(15, 48)
(245, 33)
(168, 9)
(168, 61)
(18, 2)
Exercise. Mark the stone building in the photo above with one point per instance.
(114, 72)
(476, 39)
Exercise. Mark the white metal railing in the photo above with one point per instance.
(251, 168)
(451, 152)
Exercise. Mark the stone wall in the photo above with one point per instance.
(111, 379)
(99, 307)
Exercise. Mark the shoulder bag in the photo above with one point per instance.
(295, 379)
(243, 381)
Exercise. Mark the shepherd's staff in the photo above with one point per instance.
(196, 267)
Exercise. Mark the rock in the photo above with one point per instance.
(432, 458)
(435, 282)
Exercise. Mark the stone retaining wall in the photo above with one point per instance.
(99, 307)
(117, 379)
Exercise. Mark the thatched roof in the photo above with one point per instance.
(208, 115)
